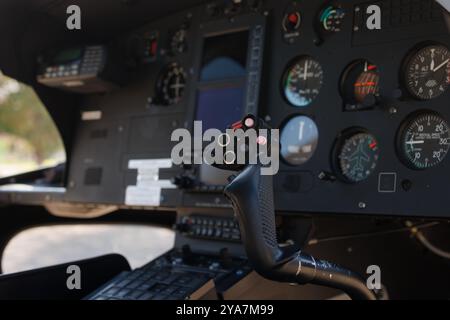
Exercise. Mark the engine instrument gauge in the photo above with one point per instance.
(357, 156)
(331, 19)
(299, 140)
(171, 85)
(427, 72)
(424, 140)
(360, 85)
(302, 81)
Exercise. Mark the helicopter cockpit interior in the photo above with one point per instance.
(356, 92)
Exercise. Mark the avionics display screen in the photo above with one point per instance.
(67, 56)
(221, 93)
(225, 56)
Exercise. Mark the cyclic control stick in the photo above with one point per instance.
(252, 198)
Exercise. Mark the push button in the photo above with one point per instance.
(387, 182)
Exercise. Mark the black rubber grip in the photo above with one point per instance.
(267, 210)
(251, 195)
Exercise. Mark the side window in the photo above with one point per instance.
(49, 245)
(29, 140)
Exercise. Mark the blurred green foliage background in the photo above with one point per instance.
(29, 139)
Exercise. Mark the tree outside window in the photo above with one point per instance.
(29, 140)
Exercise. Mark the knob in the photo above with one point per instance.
(183, 226)
(183, 182)
(327, 176)
(370, 101)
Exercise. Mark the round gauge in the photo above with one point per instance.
(427, 72)
(357, 156)
(179, 42)
(360, 84)
(171, 85)
(302, 81)
(299, 140)
(424, 140)
(331, 19)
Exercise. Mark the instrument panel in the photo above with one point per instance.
(363, 114)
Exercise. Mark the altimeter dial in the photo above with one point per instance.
(427, 72)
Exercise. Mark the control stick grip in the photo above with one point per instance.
(252, 198)
(251, 195)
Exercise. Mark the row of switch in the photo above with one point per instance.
(62, 71)
(210, 227)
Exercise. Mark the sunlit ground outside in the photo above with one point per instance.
(46, 246)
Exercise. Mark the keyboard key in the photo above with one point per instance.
(112, 291)
(172, 278)
(123, 283)
(146, 296)
(134, 284)
(158, 287)
(169, 290)
(122, 293)
(161, 277)
(135, 294)
(145, 286)
(160, 297)
(183, 280)
(148, 275)
(181, 293)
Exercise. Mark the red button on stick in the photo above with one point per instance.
(249, 122)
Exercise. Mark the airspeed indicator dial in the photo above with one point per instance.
(302, 82)
(424, 141)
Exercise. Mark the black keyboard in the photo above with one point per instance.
(167, 278)
(140, 285)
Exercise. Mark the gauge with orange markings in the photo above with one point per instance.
(360, 85)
